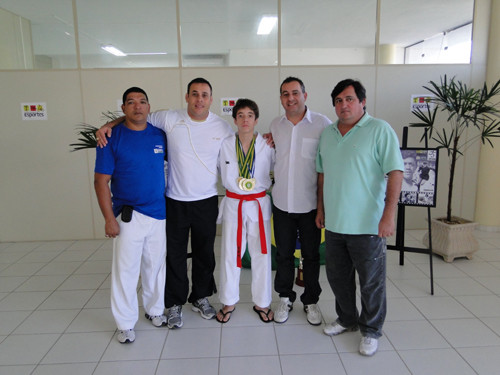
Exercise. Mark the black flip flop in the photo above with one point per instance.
(266, 314)
(224, 314)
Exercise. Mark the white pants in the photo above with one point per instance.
(229, 293)
(140, 249)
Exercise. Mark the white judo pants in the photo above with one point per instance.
(139, 249)
(229, 286)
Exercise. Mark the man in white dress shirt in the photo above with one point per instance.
(296, 137)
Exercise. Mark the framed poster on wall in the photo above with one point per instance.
(419, 177)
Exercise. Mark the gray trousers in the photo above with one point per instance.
(345, 255)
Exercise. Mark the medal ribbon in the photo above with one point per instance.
(262, 233)
(246, 163)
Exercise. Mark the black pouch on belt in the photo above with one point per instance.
(127, 213)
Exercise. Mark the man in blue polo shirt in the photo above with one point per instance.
(134, 213)
(360, 173)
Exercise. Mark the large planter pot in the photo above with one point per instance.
(452, 240)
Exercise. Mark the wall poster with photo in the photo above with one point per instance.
(419, 177)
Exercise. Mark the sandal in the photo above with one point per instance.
(224, 315)
(263, 315)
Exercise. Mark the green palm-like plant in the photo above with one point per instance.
(467, 109)
(86, 132)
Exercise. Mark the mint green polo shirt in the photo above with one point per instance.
(354, 168)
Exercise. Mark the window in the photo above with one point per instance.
(224, 33)
(40, 34)
(145, 33)
(327, 32)
(35, 36)
(426, 32)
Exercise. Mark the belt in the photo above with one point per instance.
(248, 197)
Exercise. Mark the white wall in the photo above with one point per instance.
(46, 192)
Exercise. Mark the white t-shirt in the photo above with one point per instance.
(193, 148)
(295, 188)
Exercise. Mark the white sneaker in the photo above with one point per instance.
(368, 345)
(157, 320)
(126, 336)
(313, 314)
(335, 329)
(281, 313)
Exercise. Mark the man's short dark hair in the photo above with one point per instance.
(133, 89)
(293, 79)
(405, 154)
(199, 80)
(342, 85)
(246, 103)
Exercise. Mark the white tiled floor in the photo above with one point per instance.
(55, 318)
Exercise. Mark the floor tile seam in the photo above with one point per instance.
(439, 332)
(59, 262)
(41, 365)
(49, 349)
(466, 295)
(465, 359)
(104, 242)
(24, 320)
(164, 345)
(93, 294)
(474, 318)
(96, 288)
(32, 274)
(475, 315)
(21, 261)
(400, 351)
(104, 350)
(82, 260)
(36, 308)
(396, 285)
(54, 289)
(491, 329)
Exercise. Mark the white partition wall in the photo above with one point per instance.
(46, 191)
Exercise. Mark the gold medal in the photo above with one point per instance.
(241, 181)
(249, 184)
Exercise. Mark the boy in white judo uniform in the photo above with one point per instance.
(245, 161)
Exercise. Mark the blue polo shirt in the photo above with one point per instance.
(354, 167)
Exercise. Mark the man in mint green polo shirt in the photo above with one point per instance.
(360, 174)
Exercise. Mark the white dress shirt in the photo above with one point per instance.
(295, 188)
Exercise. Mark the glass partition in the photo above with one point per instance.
(426, 32)
(40, 34)
(226, 33)
(327, 32)
(132, 34)
(36, 36)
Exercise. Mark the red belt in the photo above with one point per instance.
(248, 197)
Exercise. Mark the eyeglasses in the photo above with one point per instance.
(347, 99)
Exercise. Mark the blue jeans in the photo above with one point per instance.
(346, 254)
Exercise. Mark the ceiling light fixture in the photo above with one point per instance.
(145, 53)
(266, 25)
(113, 50)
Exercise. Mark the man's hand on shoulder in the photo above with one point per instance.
(106, 130)
(102, 134)
(269, 139)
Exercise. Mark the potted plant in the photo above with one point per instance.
(470, 117)
(86, 132)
